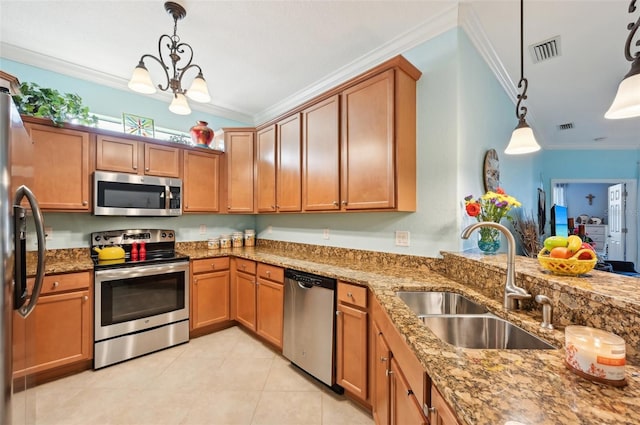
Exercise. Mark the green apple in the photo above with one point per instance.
(555, 241)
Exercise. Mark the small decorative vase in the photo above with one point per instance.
(201, 134)
(489, 241)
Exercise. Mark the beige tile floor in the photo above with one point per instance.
(227, 377)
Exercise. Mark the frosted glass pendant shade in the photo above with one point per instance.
(141, 80)
(522, 140)
(199, 90)
(179, 105)
(627, 101)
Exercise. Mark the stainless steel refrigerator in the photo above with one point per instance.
(16, 298)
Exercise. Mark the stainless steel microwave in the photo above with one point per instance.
(132, 195)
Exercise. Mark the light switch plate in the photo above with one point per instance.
(48, 233)
(402, 238)
(325, 234)
(203, 229)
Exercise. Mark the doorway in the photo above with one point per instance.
(590, 199)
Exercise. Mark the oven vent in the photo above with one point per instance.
(566, 126)
(545, 50)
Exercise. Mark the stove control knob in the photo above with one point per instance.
(97, 238)
(170, 235)
(164, 235)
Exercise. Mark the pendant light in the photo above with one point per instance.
(626, 104)
(141, 80)
(522, 139)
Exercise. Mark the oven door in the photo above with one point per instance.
(132, 299)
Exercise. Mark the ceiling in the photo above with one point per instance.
(261, 58)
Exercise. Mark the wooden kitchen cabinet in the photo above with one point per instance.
(441, 413)
(131, 156)
(351, 339)
(278, 166)
(399, 378)
(244, 282)
(62, 325)
(61, 167)
(200, 191)
(209, 292)
(238, 187)
(270, 303)
(321, 156)
(378, 147)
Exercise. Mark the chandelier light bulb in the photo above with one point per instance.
(141, 80)
(179, 105)
(199, 90)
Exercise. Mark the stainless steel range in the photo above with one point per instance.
(141, 294)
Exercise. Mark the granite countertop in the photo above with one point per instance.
(484, 387)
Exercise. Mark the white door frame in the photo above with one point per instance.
(632, 217)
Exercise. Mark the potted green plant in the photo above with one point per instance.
(50, 103)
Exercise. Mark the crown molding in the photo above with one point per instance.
(439, 24)
(60, 66)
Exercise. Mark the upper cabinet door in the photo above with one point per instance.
(161, 160)
(289, 169)
(239, 151)
(368, 157)
(321, 156)
(61, 160)
(201, 181)
(116, 154)
(266, 169)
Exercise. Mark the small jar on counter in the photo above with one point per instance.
(237, 239)
(249, 237)
(225, 241)
(213, 243)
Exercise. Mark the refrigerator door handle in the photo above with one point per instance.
(25, 192)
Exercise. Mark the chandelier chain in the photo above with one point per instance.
(633, 29)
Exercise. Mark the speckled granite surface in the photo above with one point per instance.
(484, 387)
(61, 261)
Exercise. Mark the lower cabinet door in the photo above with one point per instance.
(381, 368)
(270, 300)
(210, 295)
(351, 346)
(62, 326)
(405, 409)
(245, 287)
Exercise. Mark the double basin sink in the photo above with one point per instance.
(462, 322)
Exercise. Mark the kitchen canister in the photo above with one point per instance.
(249, 237)
(237, 239)
(225, 241)
(213, 243)
(595, 355)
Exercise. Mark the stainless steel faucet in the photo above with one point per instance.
(512, 293)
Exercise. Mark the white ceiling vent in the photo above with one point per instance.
(545, 50)
(566, 126)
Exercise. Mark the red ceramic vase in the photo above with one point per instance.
(201, 134)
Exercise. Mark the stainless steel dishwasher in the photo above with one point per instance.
(309, 323)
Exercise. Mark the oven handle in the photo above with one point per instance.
(141, 271)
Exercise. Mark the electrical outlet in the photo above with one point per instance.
(269, 229)
(203, 229)
(402, 238)
(325, 234)
(48, 233)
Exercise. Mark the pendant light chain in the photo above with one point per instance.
(633, 28)
(521, 111)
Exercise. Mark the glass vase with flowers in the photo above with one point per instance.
(492, 206)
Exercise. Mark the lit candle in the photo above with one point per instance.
(594, 353)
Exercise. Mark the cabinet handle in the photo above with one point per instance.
(335, 203)
(85, 298)
(273, 207)
(85, 203)
(56, 284)
(338, 312)
(383, 359)
(146, 169)
(388, 372)
(135, 167)
(344, 202)
(269, 273)
(349, 294)
(228, 207)
(195, 281)
(213, 266)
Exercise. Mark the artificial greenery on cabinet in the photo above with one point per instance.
(49, 103)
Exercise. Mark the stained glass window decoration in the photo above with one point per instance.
(137, 125)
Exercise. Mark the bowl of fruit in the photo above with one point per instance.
(567, 256)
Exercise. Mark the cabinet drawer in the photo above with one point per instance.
(62, 282)
(272, 273)
(594, 230)
(210, 264)
(246, 266)
(352, 294)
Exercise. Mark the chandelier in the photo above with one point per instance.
(174, 72)
(627, 101)
(522, 139)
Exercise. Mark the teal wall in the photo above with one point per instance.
(113, 102)
(462, 111)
